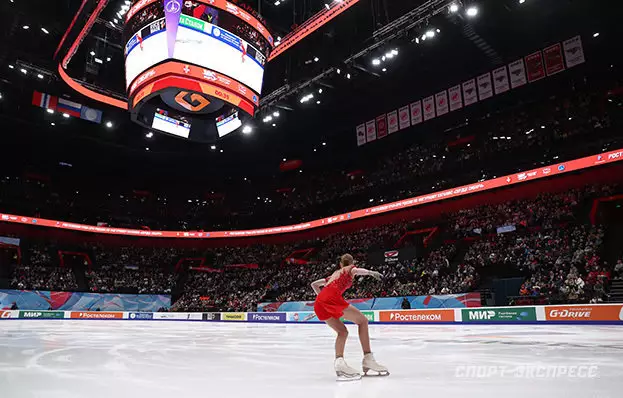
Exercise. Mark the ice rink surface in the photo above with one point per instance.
(134, 359)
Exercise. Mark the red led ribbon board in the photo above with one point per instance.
(192, 85)
(194, 72)
(508, 180)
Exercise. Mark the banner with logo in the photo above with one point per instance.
(141, 316)
(381, 126)
(41, 315)
(70, 301)
(441, 103)
(512, 314)
(404, 119)
(276, 317)
(574, 52)
(371, 131)
(456, 99)
(420, 316)
(391, 256)
(234, 316)
(176, 316)
(553, 59)
(361, 134)
(580, 313)
(8, 314)
(211, 316)
(392, 122)
(485, 88)
(416, 113)
(470, 96)
(517, 71)
(469, 300)
(303, 316)
(429, 107)
(96, 315)
(534, 67)
(500, 80)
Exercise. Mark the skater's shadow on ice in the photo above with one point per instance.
(367, 387)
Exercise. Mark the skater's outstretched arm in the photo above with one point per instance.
(365, 272)
(316, 285)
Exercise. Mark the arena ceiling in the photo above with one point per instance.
(314, 131)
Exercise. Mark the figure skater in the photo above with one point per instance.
(330, 306)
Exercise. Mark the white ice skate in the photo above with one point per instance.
(345, 372)
(369, 364)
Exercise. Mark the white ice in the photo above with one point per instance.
(118, 359)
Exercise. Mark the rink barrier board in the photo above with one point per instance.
(601, 314)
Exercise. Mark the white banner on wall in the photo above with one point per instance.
(416, 113)
(441, 103)
(361, 134)
(485, 88)
(403, 117)
(500, 80)
(429, 107)
(574, 52)
(517, 72)
(456, 99)
(470, 96)
(371, 130)
(392, 122)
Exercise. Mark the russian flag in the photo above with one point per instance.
(45, 101)
(69, 107)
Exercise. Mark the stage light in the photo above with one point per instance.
(98, 61)
(44, 30)
(339, 71)
(213, 147)
(247, 130)
(417, 40)
(51, 111)
(430, 33)
(276, 113)
(438, 30)
(472, 11)
(92, 53)
(318, 102)
(284, 159)
(52, 124)
(522, 1)
(395, 52)
(108, 59)
(222, 151)
(376, 61)
(11, 67)
(319, 91)
(596, 34)
(26, 27)
(389, 55)
(149, 135)
(324, 144)
(316, 59)
(40, 76)
(423, 37)
(109, 124)
(328, 7)
(384, 69)
(147, 149)
(274, 125)
(454, 7)
(66, 116)
(277, 2)
(348, 75)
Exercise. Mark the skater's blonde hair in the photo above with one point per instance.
(346, 260)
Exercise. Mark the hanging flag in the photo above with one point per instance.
(534, 66)
(392, 122)
(69, 107)
(416, 113)
(500, 80)
(456, 99)
(574, 52)
(403, 117)
(429, 107)
(43, 100)
(553, 59)
(485, 89)
(381, 126)
(517, 72)
(441, 103)
(371, 131)
(470, 96)
(361, 134)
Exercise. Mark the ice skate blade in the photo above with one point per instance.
(374, 373)
(341, 376)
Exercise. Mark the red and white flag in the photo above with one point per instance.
(429, 107)
(517, 71)
(535, 67)
(441, 103)
(381, 126)
(392, 122)
(485, 88)
(500, 80)
(361, 134)
(456, 99)
(371, 131)
(416, 113)
(403, 117)
(553, 59)
(470, 95)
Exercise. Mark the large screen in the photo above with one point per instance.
(164, 122)
(201, 43)
(227, 124)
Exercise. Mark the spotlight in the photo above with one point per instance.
(44, 30)
(24, 71)
(319, 91)
(327, 6)
(109, 124)
(247, 130)
(52, 124)
(318, 102)
(51, 111)
(316, 59)
(324, 144)
(339, 71)
(376, 61)
(26, 27)
(147, 149)
(274, 125)
(213, 147)
(454, 7)
(149, 135)
(522, 1)
(66, 116)
(92, 53)
(395, 52)
(40, 76)
(108, 59)
(11, 67)
(596, 34)
(348, 75)
(430, 33)
(472, 11)
(276, 113)
(423, 37)
(384, 69)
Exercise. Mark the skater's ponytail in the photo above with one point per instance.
(346, 260)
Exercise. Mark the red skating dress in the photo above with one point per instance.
(330, 303)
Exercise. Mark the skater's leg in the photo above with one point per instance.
(342, 335)
(354, 315)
